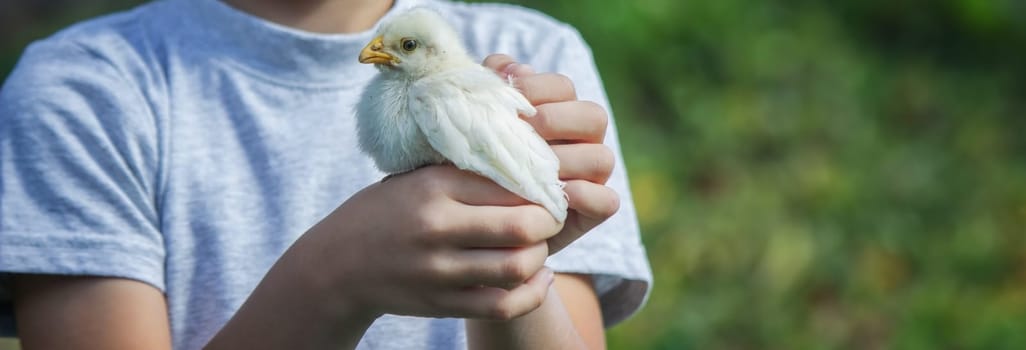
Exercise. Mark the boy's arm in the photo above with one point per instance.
(75, 312)
(67, 312)
(577, 294)
(385, 250)
(569, 318)
(64, 312)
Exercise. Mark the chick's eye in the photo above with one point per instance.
(409, 44)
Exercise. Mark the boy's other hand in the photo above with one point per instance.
(575, 129)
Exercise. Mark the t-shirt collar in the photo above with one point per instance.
(284, 52)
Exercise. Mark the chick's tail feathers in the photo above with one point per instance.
(539, 181)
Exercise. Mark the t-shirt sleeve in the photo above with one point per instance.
(78, 171)
(612, 252)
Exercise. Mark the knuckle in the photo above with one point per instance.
(611, 205)
(567, 84)
(601, 121)
(504, 310)
(538, 297)
(431, 221)
(516, 269)
(517, 227)
(542, 121)
(436, 266)
(433, 180)
(604, 162)
(545, 225)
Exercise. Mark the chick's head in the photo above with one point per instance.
(415, 43)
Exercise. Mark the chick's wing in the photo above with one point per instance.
(471, 118)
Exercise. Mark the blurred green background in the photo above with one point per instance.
(809, 174)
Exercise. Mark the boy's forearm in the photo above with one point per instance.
(286, 311)
(547, 327)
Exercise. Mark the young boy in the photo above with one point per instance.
(172, 178)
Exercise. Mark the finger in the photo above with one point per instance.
(592, 200)
(585, 161)
(472, 189)
(546, 88)
(583, 121)
(505, 268)
(480, 191)
(498, 62)
(572, 230)
(499, 227)
(590, 204)
(507, 68)
(500, 304)
(518, 70)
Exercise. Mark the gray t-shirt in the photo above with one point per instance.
(186, 145)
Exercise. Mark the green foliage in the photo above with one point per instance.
(820, 174)
(845, 174)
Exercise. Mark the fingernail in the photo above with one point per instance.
(510, 68)
(518, 69)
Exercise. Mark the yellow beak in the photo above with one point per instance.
(372, 53)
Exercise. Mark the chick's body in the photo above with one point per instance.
(432, 103)
(387, 133)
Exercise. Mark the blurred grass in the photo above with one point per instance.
(809, 175)
(821, 175)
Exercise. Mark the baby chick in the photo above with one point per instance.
(432, 103)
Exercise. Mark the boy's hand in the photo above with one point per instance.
(437, 242)
(575, 129)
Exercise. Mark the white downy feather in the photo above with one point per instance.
(437, 104)
(470, 117)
